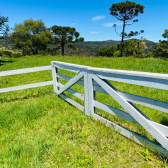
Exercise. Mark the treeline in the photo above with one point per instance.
(33, 37)
(136, 48)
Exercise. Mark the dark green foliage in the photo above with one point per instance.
(16, 55)
(106, 51)
(31, 36)
(64, 35)
(42, 53)
(7, 53)
(150, 54)
(131, 47)
(1, 54)
(161, 49)
(3, 21)
(165, 34)
(134, 47)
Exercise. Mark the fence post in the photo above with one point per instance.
(55, 78)
(86, 94)
(91, 94)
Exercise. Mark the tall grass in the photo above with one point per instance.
(38, 129)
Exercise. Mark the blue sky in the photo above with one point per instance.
(91, 18)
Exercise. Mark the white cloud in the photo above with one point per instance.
(98, 18)
(73, 24)
(111, 24)
(92, 32)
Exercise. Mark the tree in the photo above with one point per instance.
(106, 51)
(161, 49)
(3, 20)
(64, 35)
(126, 12)
(165, 34)
(6, 34)
(31, 36)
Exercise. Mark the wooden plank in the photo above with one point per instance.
(26, 70)
(71, 82)
(69, 66)
(162, 128)
(133, 136)
(152, 103)
(145, 123)
(129, 73)
(128, 117)
(66, 98)
(55, 79)
(86, 92)
(114, 71)
(115, 111)
(65, 77)
(34, 85)
(136, 80)
(91, 95)
(73, 92)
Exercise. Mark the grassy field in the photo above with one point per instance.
(38, 129)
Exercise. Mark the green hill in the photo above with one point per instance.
(90, 47)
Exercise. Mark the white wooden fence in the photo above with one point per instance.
(95, 80)
(22, 71)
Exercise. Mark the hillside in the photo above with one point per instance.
(90, 47)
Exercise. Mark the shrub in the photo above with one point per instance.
(150, 54)
(41, 53)
(7, 53)
(117, 53)
(16, 55)
(106, 51)
(161, 49)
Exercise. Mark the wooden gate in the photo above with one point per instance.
(96, 80)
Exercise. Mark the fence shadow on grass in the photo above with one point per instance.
(2, 62)
(2, 100)
(164, 121)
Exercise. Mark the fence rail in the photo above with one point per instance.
(96, 80)
(22, 71)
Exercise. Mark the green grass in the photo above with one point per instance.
(38, 129)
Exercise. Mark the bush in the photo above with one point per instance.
(41, 53)
(16, 55)
(117, 53)
(106, 51)
(150, 54)
(7, 53)
(161, 49)
(26, 51)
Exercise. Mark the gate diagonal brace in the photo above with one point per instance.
(71, 82)
(147, 124)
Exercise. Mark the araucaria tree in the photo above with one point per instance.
(126, 12)
(3, 21)
(31, 36)
(64, 35)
